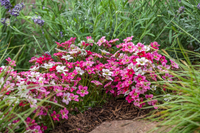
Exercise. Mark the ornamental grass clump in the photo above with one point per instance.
(75, 77)
(181, 109)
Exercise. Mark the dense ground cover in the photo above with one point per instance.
(63, 76)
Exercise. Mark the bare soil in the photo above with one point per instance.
(115, 116)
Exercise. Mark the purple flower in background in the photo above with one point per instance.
(179, 0)
(15, 11)
(38, 20)
(5, 21)
(61, 34)
(198, 6)
(6, 4)
(181, 9)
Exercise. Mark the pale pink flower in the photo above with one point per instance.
(128, 39)
(101, 41)
(74, 97)
(96, 82)
(66, 98)
(174, 64)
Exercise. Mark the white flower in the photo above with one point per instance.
(59, 50)
(108, 77)
(73, 52)
(141, 61)
(61, 69)
(140, 72)
(32, 102)
(136, 68)
(52, 82)
(130, 66)
(66, 98)
(34, 74)
(107, 72)
(47, 66)
(1, 81)
(11, 100)
(153, 87)
(23, 91)
(121, 56)
(18, 78)
(83, 52)
(41, 80)
(168, 98)
(81, 43)
(79, 70)
(147, 48)
(68, 57)
(104, 51)
(127, 92)
(34, 68)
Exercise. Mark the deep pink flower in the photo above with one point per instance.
(64, 113)
(82, 90)
(139, 78)
(74, 97)
(55, 116)
(155, 45)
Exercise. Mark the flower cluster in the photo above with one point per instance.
(5, 21)
(38, 20)
(181, 9)
(15, 11)
(76, 71)
(198, 6)
(6, 4)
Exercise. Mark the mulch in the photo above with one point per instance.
(113, 110)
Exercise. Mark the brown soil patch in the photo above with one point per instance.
(89, 120)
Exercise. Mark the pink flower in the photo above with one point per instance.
(140, 47)
(120, 85)
(174, 64)
(74, 97)
(156, 56)
(114, 40)
(128, 39)
(66, 98)
(149, 98)
(11, 62)
(55, 116)
(134, 94)
(163, 67)
(155, 45)
(129, 99)
(37, 129)
(153, 76)
(96, 82)
(153, 102)
(167, 77)
(163, 60)
(129, 47)
(139, 78)
(64, 113)
(82, 90)
(101, 41)
(140, 88)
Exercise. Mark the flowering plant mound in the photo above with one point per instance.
(76, 73)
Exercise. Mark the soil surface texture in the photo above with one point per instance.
(116, 116)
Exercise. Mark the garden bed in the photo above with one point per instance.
(90, 119)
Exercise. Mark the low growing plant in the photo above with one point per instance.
(76, 77)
